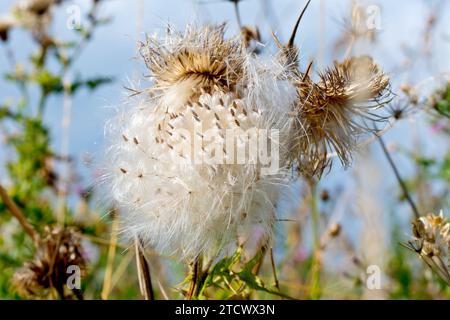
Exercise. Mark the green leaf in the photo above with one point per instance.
(443, 107)
(48, 81)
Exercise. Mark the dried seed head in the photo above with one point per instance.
(433, 230)
(183, 203)
(355, 28)
(332, 113)
(58, 249)
(200, 57)
(6, 24)
(38, 7)
(401, 109)
(432, 242)
(34, 15)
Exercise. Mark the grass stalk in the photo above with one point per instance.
(315, 269)
(145, 281)
(110, 260)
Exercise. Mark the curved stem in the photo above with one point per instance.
(398, 177)
(17, 213)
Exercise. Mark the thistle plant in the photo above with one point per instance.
(33, 182)
(215, 167)
(333, 113)
(170, 167)
(432, 241)
(172, 197)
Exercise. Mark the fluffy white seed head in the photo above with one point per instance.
(182, 165)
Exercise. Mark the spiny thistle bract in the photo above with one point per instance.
(204, 86)
(332, 113)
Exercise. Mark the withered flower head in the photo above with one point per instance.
(6, 24)
(200, 58)
(332, 113)
(37, 7)
(432, 242)
(355, 28)
(34, 15)
(58, 249)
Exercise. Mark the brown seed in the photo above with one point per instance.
(325, 196)
(335, 230)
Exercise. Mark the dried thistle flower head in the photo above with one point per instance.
(355, 28)
(34, 15)
(7, 22)
(37, 7)
(332, 113)
(169, 192)
(432, 242)
(193, 59)
(58, 249)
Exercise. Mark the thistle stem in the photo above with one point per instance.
(195, 275)
(274, 270)
(202, 278)
(315, 269)
(398, 177)
(17, 213)
(238, 15)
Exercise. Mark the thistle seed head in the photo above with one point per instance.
(58, 249)
(432, 242)
(433, 230)
(200, 57)
(204, 86)
(333, 112)
(6, 24)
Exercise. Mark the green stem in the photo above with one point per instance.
(195, 270)
(41, 104)
(315, 278)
